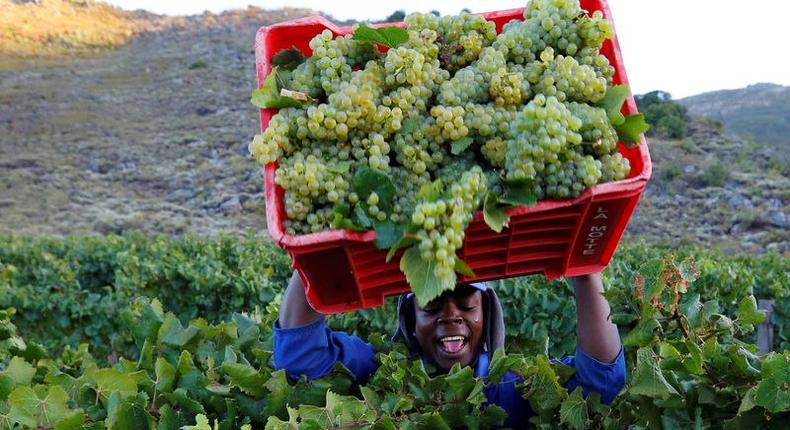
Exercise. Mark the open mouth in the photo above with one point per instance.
(452, 345)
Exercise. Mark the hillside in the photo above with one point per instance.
(761, 111)
(153, 136)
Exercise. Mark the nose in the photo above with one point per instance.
(449, 313)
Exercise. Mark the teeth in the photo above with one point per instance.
(452, 338)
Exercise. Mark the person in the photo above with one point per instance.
(461, 326)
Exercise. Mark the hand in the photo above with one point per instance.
(295, 311)
(595, 334)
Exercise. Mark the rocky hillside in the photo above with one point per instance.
(760, 111)
(153, 136)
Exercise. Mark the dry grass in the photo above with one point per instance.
(51, 28)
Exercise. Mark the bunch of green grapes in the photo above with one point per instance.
(543, 131)
(597, 132)
(564, 78)
(417, 150)
(459, 38)
(442, 223)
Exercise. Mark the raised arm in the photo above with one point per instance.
(595, 334)
(295, 311)
(304, 345)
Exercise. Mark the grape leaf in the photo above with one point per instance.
(388, 36)
(519, 193)
(165, 375)
(613, 101)
(361, 216)
(246, 378)
(748, 312)
(405, 241)
(181, 399)
(772, 392)
(110, 380)
(388, 234)
(573, 410)
(648, 380)
(463, 268)
(173, 333)
(500, 364)
(268, 95)
(496, 218)
(460, 145)
(341, 218)
(421, 277)
(629, 131)
(545, 392)
(20, 371)
(368, 180)
(288, 59)
(74, 421)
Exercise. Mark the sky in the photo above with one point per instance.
(685, 47)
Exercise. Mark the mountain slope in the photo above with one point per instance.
(761, 111)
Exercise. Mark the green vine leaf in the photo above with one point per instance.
(573, 410)
(421, 277)
(632, 127)
(368, 180)
(388, 234)
(648, 380)
(288, 59)
(613, 101)
(496, 217)
(269, 95)
(388, 36)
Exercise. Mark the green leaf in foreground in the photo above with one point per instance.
(496, 217)
(404, 241)
(20, 371)
(613, 101)
(288, 59)
(460, 145)
(268, 95)
(368, 180)
(246, 378)
(629, 131)
(388, 36)
(573, 410)
(648, 380)
(773, 392)
(110, 380)
(463, 268)
(387, 234)
(519, 193)
(420, 276)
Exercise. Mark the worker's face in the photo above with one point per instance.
(450, 328)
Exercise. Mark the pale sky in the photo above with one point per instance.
(685, 47)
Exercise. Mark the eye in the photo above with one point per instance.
(468, 308)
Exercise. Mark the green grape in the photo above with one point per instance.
(543, 130)
(597, 132)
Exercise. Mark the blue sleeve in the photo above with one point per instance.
(592, 375)
(314, 349)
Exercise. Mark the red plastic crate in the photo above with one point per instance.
(342, 270)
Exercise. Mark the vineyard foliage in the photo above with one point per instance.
(129, 332)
